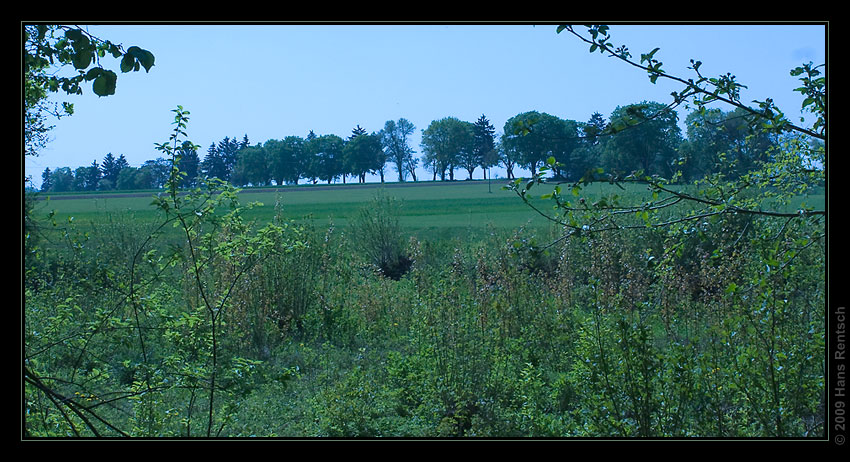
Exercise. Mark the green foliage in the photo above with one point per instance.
(670, 332)
(537, 136)
(395, 140)
(326, 156)
(363, 154)
(377, 234)
(136, 346)
(444, 143)
(653, 309)
(285, 157)
(50, 48)
(707, 246)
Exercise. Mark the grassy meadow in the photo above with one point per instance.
(419, 311)
(425, 207)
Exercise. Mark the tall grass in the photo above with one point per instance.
(490, 331)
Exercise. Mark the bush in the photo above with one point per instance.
(376, 232)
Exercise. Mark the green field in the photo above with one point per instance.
(424, 207)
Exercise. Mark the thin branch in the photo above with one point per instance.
(690, 84)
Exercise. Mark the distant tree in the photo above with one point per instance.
(252, 167)
(410, 164)
(46, 179)
(189, 164)
(158, 170)
(327, 153)
(442, 144)
(79, 183)
(356, 131)
(722, 142)
(508, 155)
(221, 158)
(108, 168)
(348, 165)
(111, 168)
(381, 164)
(649, 145)
(106, 185)
(143, 179)
(309, 163)
(62, 180)
(484, 143)
(566, 137)
(284, 159)
(228, 150)
(126, 179)
(468, 158)
(593, 128)
(214, 164)
(396, 143)
(534, 137)
(86, 178)
(705, 145)
(364, 154)
(93, 176)
(587, 154)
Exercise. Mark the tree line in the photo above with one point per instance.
(643, 137)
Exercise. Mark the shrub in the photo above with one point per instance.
(376, 232)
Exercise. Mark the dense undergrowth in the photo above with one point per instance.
(715, 329)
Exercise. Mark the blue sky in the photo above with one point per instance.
(272, 81)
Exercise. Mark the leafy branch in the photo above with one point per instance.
(78, 48)
(219, 249)
(778, 178)
(725, 88)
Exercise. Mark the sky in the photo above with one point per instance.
(275, 80)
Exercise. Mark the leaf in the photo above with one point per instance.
(82, 59)
(144, 57)
(77, 34)
(127, 63)
(648, 56)
(93, 73)
(104, 84)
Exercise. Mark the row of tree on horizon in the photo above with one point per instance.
(639, 137)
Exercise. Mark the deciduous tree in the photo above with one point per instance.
(395, 138)
(327, 153)
(442, 143)
(363, 154)
(285, 159)
(252, 167)
(536, 136)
